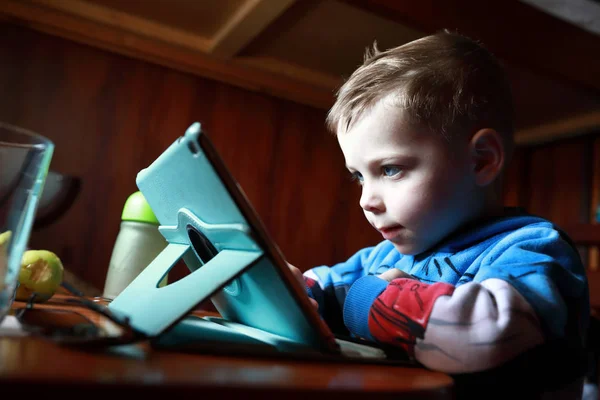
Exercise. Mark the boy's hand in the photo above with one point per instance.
(298, 274)
(394, 273)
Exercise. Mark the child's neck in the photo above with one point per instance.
(492, 204)
(490, 209)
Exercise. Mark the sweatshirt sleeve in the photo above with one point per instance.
(524, 293)
(329, 285)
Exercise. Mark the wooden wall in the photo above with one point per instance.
(553, 180)
(111, 116)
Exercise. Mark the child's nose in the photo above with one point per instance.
(370, 200)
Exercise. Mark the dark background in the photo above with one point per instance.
(110, 116)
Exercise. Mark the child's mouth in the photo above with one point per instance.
(390, 232)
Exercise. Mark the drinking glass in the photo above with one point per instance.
(24, 160)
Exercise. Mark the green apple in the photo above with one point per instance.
(41, 273)
(4, 238)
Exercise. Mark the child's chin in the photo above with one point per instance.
(408, 249)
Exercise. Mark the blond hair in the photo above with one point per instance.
(444, 81)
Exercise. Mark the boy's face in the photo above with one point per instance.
(416, 186)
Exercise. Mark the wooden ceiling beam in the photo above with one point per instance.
(575, 125)
(296, 72)
(120, 20)
(516, 32)
(107, 37)
(247, 22)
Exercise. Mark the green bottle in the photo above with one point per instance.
(137, 244)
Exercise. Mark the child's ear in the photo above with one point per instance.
(487, 155)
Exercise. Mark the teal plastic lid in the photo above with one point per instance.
(137, 209)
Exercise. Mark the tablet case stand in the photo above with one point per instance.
(153, 309)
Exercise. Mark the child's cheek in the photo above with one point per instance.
(410, 207)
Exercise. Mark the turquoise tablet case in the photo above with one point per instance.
(209, 223)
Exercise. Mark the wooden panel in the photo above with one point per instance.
(594, 252)
(558, 180)
(593, 255)
(110, 116)
(594, 287)
(516, 183)
(535, 40)
(559, 187)
(595, 182)
(584, 234)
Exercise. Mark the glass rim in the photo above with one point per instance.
(40, 141)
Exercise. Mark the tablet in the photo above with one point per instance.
(208, 221)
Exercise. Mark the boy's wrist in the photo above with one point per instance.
(358, 303)
(394, 273)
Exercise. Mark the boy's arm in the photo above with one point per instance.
(329, 285)
(470, 328)
(514, 303)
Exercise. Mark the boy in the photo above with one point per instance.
(462, 284)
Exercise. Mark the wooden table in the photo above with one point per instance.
(36, 366)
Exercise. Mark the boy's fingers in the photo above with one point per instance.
(394, 273)
(298, 274)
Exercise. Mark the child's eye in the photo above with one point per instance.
(391, 170)
(357, 177)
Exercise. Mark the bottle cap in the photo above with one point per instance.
(137, 209)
